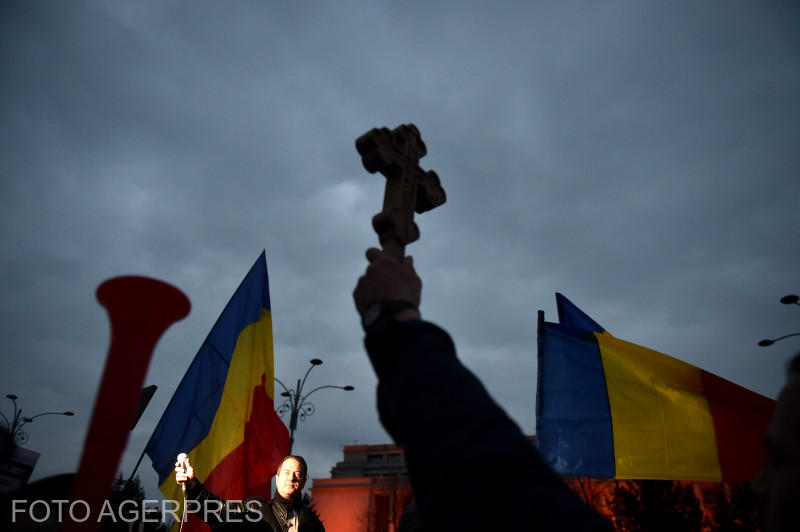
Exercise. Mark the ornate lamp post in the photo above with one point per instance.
(296, 403)
(791, 299)
(15, 425)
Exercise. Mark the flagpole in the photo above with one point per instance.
(144, 400)
(136, 467)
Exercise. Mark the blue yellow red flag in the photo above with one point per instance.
(222, 413)
(612, 409)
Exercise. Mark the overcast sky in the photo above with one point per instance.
(639, 157)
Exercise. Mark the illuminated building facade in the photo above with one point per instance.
(367, 491)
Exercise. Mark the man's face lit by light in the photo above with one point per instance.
(290, 479)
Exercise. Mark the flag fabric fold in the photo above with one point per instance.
(222, 413)
(612, 409)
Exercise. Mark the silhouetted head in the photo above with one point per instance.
(778, 483)
(410, 519)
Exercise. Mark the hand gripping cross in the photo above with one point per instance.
(409, 188)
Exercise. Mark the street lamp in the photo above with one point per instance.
(296, 403)
(766, 342)
(791, 299)
(15, 426)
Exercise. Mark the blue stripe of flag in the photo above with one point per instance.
(573, 421)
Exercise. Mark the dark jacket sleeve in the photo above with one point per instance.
(470, 466)
(311, 522)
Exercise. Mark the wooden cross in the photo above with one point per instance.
(409, 188)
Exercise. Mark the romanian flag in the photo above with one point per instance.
(611, 409)
(222, 414)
